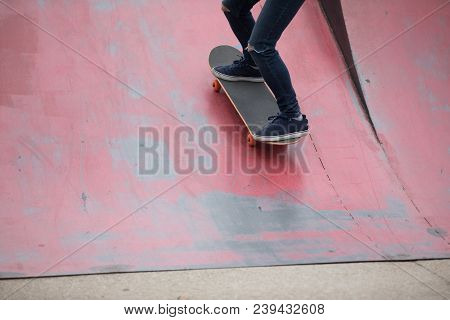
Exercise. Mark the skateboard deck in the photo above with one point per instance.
(253, 101)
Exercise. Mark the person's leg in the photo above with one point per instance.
(273, 20)
(241, 21)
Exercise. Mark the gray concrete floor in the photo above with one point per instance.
(387, 280)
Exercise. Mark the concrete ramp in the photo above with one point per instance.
(86, 86)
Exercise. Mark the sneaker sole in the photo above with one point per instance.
(288, 136)
(232, 78)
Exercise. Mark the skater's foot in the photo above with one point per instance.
(239, 70)
(283, 127)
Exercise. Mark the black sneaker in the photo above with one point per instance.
(282, 127)
(239, 70)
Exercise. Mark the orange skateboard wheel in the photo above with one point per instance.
(250, 140)
(216, 85)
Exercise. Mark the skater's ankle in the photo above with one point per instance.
(294, 115)
(248, 58)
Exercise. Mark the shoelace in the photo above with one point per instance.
(239, 62)
(277, 116)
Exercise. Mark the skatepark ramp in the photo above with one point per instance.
(117, 155)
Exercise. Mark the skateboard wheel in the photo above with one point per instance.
(250, 140)
(216, 85)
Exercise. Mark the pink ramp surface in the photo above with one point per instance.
(402, 52)
(77, 81)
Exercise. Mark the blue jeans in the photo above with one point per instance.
(261, 38)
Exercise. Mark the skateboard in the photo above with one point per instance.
(253, 101)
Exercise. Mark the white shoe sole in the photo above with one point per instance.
(232, 78)
(288, 136)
